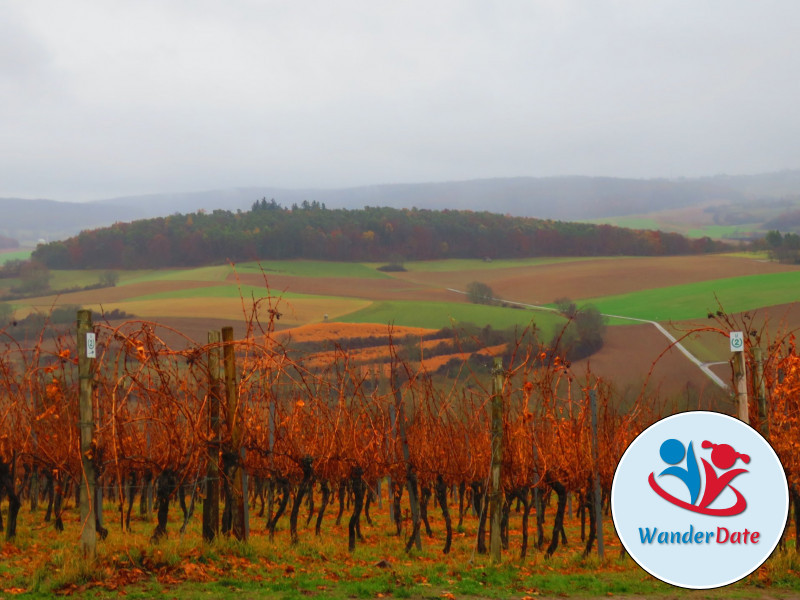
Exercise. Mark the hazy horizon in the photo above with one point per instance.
(104, 100)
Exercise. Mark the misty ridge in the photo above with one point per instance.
(569, 198)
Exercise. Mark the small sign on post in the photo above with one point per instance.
(91, 345)
(737, 341)
(740, 374)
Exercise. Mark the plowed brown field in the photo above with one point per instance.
(541, 284)
(315, 332)
(116, 294)
(631, 352)
(350, 287)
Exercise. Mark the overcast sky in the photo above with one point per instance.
(105, 98)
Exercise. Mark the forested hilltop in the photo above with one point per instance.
(270, 231)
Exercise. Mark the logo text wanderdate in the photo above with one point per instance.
(721, 536)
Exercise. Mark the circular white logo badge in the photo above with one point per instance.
(699, 500)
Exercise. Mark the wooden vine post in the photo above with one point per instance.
(211, 504)
(239, 499)
(598, 497)
(740, 375)
(495, 493)
(86, 355)
(411, 474)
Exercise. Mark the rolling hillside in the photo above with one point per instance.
(565, 198)
(312, 231)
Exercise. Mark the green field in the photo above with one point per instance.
(14, 255)
(724, 231)
(435, 315)
(655, 224)
(631, 222)
(675, 303)
(695, 300)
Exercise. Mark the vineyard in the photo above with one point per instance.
(248, 425)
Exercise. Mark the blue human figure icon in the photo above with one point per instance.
(672, 453)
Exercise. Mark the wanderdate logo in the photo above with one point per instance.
(684, 466)
(699, 500)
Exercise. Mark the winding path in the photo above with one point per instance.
(705, 367)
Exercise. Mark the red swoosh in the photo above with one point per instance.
(736, 509)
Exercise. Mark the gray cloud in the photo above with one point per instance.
(111, 98)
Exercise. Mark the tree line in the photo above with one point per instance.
(312, 231)
(784, 248)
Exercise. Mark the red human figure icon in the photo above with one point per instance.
(724, 457)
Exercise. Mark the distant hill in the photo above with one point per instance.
(32, 220)
(565, 198)
(7, 243)
(312, 231)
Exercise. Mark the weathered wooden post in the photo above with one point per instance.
(598, 504)
(211, 504)
(238, 500)
(86, 355)
(495, 493)
(411, 474)
(740, 374)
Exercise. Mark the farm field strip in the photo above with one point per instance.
(358, 293)
(681, 348)
(293, 311)
(597, 278)
(311, 268)
(334, 330)
(700, 364)
(14, 255)
(225, 291)
(435, 315)
(213, 273)
(694, 300)
(477, 264)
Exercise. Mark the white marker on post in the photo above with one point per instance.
(737, 341)
(91, 345)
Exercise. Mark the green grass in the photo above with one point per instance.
(656, 224)
(312, 268)
(435, 315)
(694, 300)
(41, 563)
(724, 231)
(14, 255)
(631, 222)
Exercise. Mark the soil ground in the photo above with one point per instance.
(542, 284)
(633, 356)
